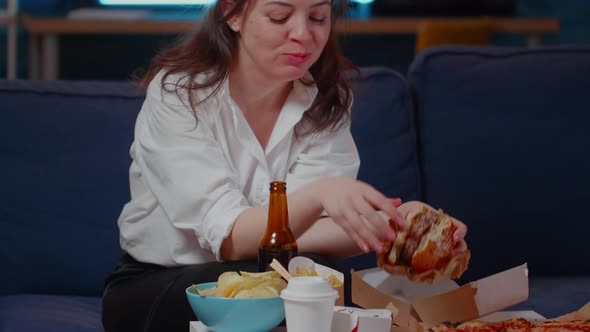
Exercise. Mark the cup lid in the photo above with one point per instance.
(308, 288)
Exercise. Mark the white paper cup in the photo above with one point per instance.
(309, 304)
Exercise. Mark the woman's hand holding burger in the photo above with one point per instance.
(428, 246)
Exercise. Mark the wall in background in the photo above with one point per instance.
(574, 16)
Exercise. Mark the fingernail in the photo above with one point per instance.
(364, 247)
(396, 202)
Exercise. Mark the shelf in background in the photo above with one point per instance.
(108, 14)
(380, 25)
(45, 31)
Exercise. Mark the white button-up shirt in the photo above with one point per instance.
(189, 182)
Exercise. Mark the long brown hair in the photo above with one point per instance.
(211, 49)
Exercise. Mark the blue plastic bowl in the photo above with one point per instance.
(238, 315)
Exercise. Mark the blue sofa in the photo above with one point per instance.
(496, 137)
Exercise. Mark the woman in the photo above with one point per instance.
(255, 95)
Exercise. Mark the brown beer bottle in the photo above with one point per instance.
(277, 242)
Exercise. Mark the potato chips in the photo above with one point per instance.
(332, 279)
(246, 285)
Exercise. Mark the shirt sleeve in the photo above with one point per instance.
(332, 153)
(186, 169)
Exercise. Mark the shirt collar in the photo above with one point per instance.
(298, 102)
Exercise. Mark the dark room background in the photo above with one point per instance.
(115, 57)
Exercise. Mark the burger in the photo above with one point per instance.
(423, 248)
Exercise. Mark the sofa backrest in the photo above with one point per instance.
(504, 146)
(384, 132)
(64, 160)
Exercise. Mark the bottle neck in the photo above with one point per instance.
(278, 215)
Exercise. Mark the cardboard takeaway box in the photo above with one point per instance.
(416, 304)
(348, 319)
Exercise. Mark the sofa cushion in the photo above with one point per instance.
(47, 313)
(64, 164)
(383, 130)
(504, 142)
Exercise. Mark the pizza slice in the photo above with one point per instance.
(566, 326)
(512, 325)
(444, 327)
(515, 325)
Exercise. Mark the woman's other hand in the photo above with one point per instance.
(356, 207)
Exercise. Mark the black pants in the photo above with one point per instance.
(148, 298)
